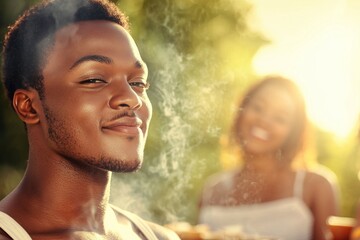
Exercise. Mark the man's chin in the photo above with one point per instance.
(117, 165)
(133, 166)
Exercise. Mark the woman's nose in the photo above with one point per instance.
(266, 119)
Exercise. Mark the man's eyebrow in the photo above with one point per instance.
(96, 58)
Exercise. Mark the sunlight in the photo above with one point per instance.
(321, 54)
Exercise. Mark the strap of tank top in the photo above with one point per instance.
(299, 183)
(138, 222)
(12, 228)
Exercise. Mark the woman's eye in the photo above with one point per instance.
(256, 107)
(282, 120)
(140, 85)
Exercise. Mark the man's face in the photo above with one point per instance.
(96, 110)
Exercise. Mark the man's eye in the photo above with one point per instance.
(140, 85)
(92, 81)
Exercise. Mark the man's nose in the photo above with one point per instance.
(124, 96)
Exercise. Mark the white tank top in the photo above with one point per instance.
(286, 219)
(16, 232)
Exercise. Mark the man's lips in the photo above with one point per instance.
(126, 125)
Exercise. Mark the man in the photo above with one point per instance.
(76, 79)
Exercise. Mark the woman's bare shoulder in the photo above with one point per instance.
(317, 184)
(317, 179)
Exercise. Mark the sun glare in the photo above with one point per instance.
(321, 57)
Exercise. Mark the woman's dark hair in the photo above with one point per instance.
(30, 39)
(296, 138)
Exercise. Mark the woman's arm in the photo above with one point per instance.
(323, 204)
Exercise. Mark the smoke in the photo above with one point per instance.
(178, 152)
(191, 81)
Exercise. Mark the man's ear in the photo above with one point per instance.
(23, 103)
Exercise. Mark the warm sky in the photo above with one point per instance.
(317, 44)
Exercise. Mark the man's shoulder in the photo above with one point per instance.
(163, 233)
(4, 235)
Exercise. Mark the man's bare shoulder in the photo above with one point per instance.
(3, 235)
(163, 233)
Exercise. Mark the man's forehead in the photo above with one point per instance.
(92, 35)
(89, 38)
(93, 28)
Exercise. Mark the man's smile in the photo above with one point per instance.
(127, 125)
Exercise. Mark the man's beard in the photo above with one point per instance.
(63, 134)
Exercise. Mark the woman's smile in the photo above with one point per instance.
(260, 133)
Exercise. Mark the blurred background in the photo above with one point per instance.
(201, 55)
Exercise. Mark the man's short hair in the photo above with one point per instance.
(29, 40)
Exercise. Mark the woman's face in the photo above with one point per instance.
(267, 121)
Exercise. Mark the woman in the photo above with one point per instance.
(266, 196)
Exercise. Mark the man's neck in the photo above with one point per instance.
(61, 198)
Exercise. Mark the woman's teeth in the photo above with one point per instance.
(260, 133)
